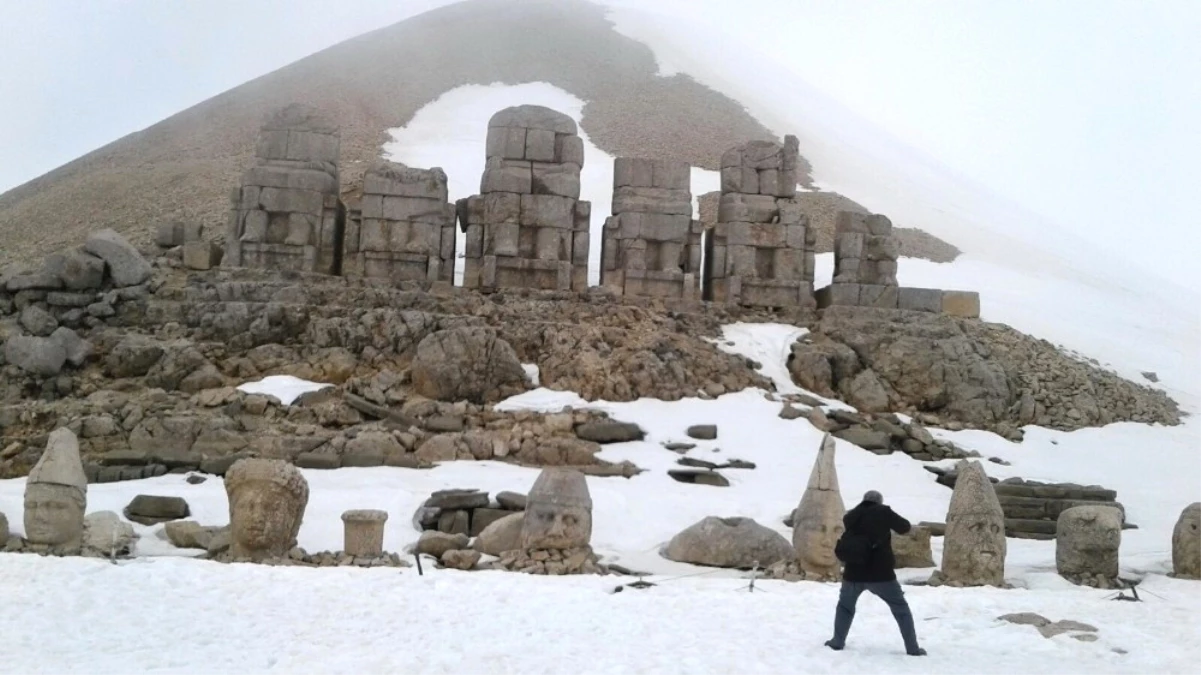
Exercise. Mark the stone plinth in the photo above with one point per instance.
(528, 228)
(761, 252)
(363, 533)
(651, 245)
(404, 229)
(286, 213)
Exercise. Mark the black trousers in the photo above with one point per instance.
(888, 591)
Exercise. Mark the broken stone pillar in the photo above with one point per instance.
(761, 252)
(817, 521)
(286, 214)
(1087, 539)
(973, 552)
(1186, 543)
(267, 498)
(558, 512)
(651, 245)
(363, 532)
(528, 228)
(56, 496)
(865, 263)
(405, 227)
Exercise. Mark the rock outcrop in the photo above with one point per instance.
(466, 364)
(738, 543)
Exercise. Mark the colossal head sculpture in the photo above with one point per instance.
(558, 512)
(817, 523)
(1186, 543)
(267, 499)
(56, 496)
(1087, 539)
(973, 551)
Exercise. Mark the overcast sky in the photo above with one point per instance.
(1084, 111)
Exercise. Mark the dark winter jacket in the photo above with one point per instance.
(876, 521)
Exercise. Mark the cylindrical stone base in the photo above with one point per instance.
(363, 534)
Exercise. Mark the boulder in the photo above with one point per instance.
(699, 477)
(703, 432)
(39, 356)
(460, 559)
(609, 431)
(437, 543)
(76, 348)
(106, 535)
(868, 439)
(912, 549)
(738, 543)
(126, 266)
(468, 363)
(133, 356)
(190, 534)
(500, 536)
(37, 321)
(457, 499)
(77, 269)
(513, 501)
(154, 509)
(1186, 543)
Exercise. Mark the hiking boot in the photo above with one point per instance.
(831, 645)
(919, 652)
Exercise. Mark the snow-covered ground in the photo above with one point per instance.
(165, 612)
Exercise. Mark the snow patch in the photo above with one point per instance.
(284, 388)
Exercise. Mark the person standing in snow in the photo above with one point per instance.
(866, 551)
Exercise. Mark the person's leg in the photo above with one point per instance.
(844, 614)
(891, 593)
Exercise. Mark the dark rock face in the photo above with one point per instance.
(468, 363)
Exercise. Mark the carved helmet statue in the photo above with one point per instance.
(56, 495)
(267, 499)
(558, 513)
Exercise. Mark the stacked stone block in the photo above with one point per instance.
(286, 213)
(1032, 509)
(865, 272)
(528, 227)
(761, 251)
(405, 227)
(651, 245)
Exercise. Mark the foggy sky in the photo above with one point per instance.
(1087, 112)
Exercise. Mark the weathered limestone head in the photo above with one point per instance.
(1087, 539)
(973, 551)
(558, 512)
(1186, 543)
(56, 495)
(267, 498)
(817, 523)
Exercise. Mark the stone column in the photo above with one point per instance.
(364, 532)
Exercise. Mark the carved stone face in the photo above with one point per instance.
(554, 526)
(264, 519)
(974, 548)
(1087, 540)
(816, 534)
(53, 515)
(1186, 543)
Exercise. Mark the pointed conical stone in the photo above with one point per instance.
(558, 513)
(973, 551)
(818, 519)
(56, 495)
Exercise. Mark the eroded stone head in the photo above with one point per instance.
(818, 518)
(267, 499)
(56, 495)
(974, 547)
(1186, 543)
(558, 513)
(1087, 540)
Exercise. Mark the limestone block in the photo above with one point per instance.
(363, 532)
(882, 272)
(562, 180)
(760, 235)
(501, 207)
(746, 208)
(851, 221)
(762, 155)
(503, 239)
(506, 142)
(397, 180)
(662, 227)
(285, 177)
(200, 255)
(652, 200)
(879, 225)
(534, 117)
(769, 182)
(791, 213)
(569, 149)
(672, 175)
(920, 299)
(873, 295)
(301, 229)
(540, 145)
(551, 244)
(633, 172)
(849, 245)
(547, 211)
(502, 175)
(964, 304)
(307, 146)
(880, 247)
(1186, 543)
(1087, 539)
(414, 209)
(290, 200)
(169, 235)
(732, 158)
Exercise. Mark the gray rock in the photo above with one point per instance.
(609, 431)
(35, 355)
(190, 534)
(77, 349)
(3, 527)
(1087, 539)
(703, 432)
(77, 269)
(468, 363)
(315, 460)
(912, 549)
(38, 321)
(460, 559)
(482, 518)
(105, 535)
(437, 543)
(1050, 630)
(512, 501)
(1186, 543)
(738, 543)
(1025, 619)
(133, 356)
(457, 499)
(501, 535)
(126, 266)
(867, 393)
(154, 509)
(868, 439)
(699, 477)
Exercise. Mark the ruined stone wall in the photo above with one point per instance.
(405, 227)
(651, 244)
(761, 251)
(528, 228)
(286, 213)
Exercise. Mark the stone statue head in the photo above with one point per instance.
(1087, 539)
(817, 522)
(1186, 543)
(56, 495)
(267, 499)
(974, 547)
(558, 512)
